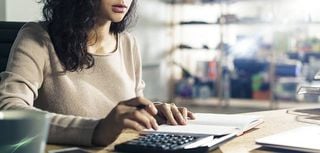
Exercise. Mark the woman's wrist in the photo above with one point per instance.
(96, 138)
(104, 134)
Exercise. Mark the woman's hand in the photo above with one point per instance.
(173, 115)
(126, 114)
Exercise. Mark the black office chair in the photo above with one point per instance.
(8, 33)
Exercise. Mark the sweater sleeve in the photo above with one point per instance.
(140, 84)
(23, 77)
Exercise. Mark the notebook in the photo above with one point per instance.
(304, 139)
(213, 124)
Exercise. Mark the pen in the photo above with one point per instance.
(141, 106)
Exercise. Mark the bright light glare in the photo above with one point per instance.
(306, 5)
(304, 8)
(23, 142)
(245, 48)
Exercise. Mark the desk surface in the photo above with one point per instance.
(274, 122)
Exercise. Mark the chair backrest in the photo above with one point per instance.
(8, 33)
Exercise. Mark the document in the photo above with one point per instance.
(304, 139)
(213, 124)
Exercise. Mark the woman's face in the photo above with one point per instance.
(114, 10)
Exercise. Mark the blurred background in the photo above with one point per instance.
(221, 56)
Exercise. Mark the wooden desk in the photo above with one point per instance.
(274, 122)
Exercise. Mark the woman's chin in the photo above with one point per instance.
(117, 19)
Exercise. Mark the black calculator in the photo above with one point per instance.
(166, 142)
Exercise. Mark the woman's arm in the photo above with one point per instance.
(22, 79)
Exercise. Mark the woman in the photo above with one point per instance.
(81, 66)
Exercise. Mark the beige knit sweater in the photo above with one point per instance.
(77, 100)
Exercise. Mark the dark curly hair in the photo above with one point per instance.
(69, 22)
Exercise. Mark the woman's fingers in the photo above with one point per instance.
(177, 114)
(174, 115)
(143, 118)
(152, 120)
(191, 115)
(131, 124)
(184, 112)
(167, 113)
(142, 103)
(141, 111)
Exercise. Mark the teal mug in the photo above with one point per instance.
(23, 131)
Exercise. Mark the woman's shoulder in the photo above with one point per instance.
(32, 40)
(126, 34)
(37, 29)
(129, 44)
(127, 38)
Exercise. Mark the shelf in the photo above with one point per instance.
(190, 23)
(195, 23)
(267, 31)
(184, 47)
(198, 1)
(214, 101)
(201, 2)
(195, 50)
(207, 102)
(151, 65)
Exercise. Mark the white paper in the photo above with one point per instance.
(214, 124)
(195, 129)
(236, 121)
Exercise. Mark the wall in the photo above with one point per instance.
(31, 10)
(2, 10)
(20, 10)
